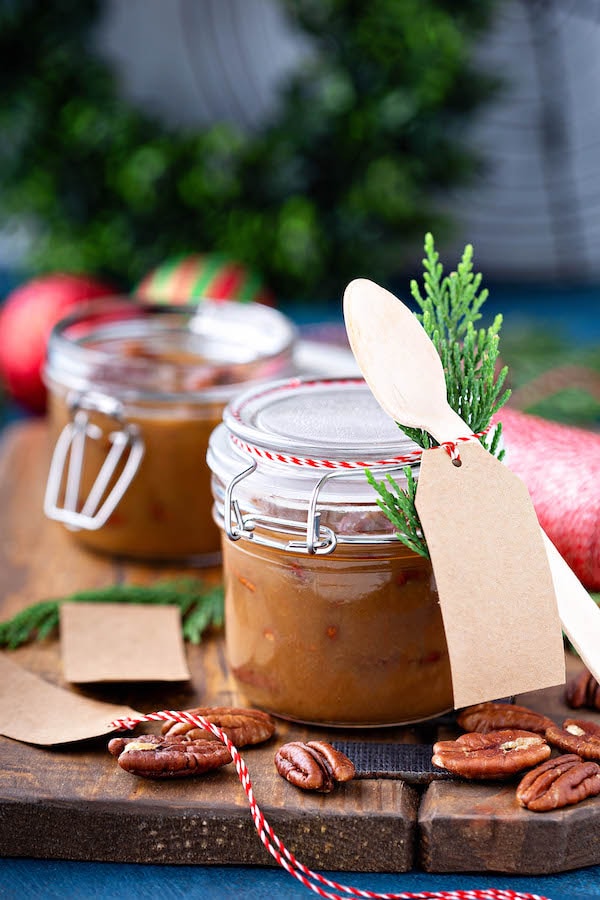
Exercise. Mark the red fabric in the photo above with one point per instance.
(561, 467)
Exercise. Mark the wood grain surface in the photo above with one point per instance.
(74, 802)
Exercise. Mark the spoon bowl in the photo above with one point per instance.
(387, 338)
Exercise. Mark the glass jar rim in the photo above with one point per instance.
(321, 499)
(247, 341)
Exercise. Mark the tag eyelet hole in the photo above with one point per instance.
(457, 462)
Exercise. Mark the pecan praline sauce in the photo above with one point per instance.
(352, 638)
(164, 513)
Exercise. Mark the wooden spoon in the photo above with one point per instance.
(399, 362)
(404, 372)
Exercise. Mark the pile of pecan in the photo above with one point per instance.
(491, 756)
(184, 749)
(503, 739)
(242, 726)
(153, 757)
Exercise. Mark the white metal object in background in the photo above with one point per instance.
(61, 500)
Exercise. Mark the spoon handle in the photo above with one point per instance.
(447, 425)
(579, 614)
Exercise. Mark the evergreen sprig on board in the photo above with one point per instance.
(201, 608)
(450, 306)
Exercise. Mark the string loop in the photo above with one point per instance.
(275, 846)
(409, 458)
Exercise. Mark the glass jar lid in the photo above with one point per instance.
(291, 455)
(141, 352)
(337, 420)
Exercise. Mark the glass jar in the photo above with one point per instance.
(329, 618)
(134, 393)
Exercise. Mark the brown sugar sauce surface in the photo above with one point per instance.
(347, 639)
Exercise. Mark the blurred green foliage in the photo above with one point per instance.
(340, 182)
(535, 356)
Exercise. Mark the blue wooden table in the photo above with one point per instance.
(24, 878)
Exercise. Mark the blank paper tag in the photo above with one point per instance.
(121, 642)
(494, 582)
(36, 712)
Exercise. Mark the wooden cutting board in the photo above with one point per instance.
(74, 802)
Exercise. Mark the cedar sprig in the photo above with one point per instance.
(450, 305)
(399, 507)
(201, 608)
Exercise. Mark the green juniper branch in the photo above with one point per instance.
(201, 608)
(399, 507)
(449, 308)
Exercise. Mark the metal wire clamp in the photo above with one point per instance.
(68, 457)
(313, 537)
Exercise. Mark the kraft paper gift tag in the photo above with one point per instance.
(36, 712)
(121, 642)
(495, 586)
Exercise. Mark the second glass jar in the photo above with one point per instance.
(134, 393)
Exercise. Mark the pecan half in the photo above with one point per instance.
(484, 717)
(559, 782)
(153, 757)
(495, 755)
(242, 726)
(583, 690)
(576, 736)
(313, 766)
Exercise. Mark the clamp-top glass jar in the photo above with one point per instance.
(134, 393)
(329, 618)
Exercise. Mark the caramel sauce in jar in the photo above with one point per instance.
(343, 640)
(154, 380)
(165, 511)
(329, 618)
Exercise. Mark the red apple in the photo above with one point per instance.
(26, 320)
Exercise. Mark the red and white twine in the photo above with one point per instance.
(451, 448)
(275, 846)
(237, 412)
(274, 456)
